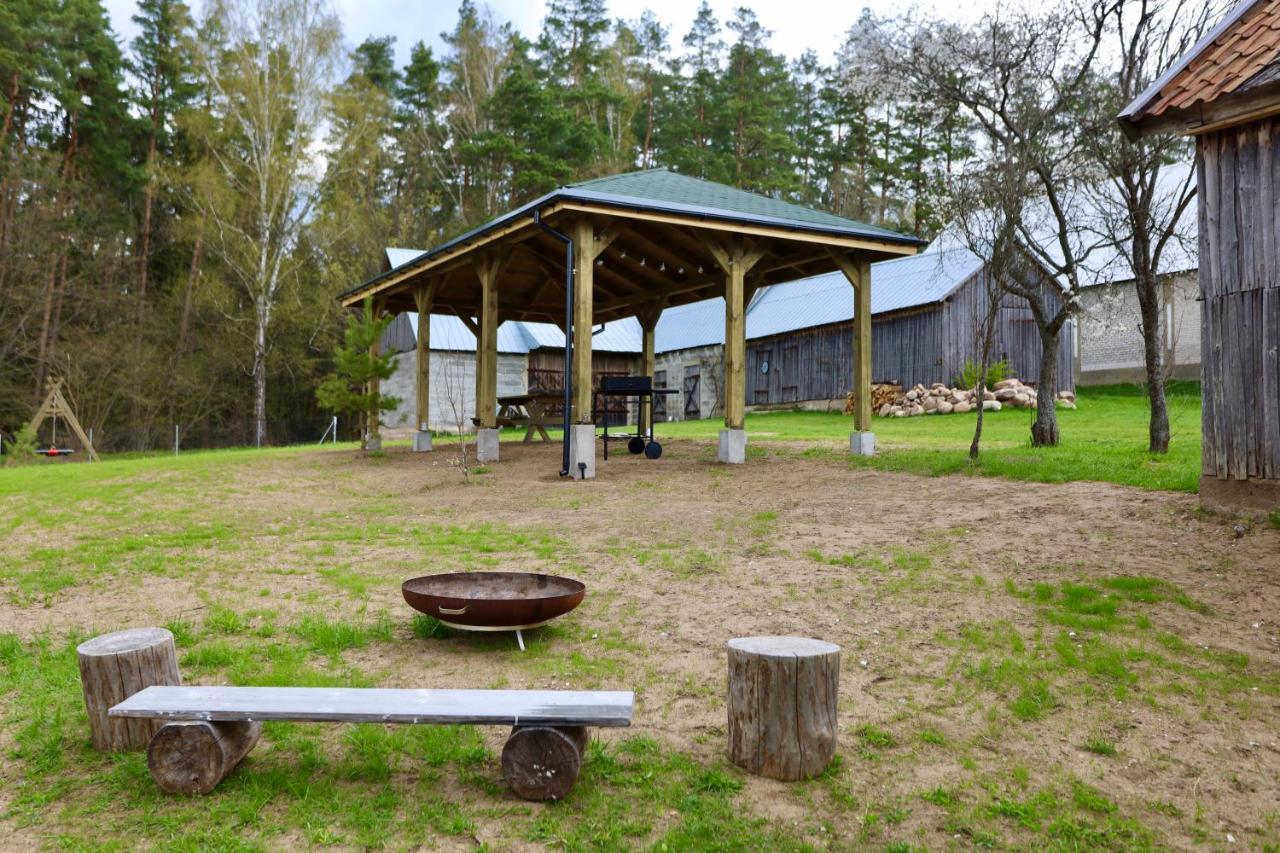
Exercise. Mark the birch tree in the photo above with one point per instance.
(270, 66)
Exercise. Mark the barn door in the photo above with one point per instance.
(760, 376)
(790, 374)
(692, 394)
(660, 400)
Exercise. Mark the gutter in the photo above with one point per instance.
(568, 334)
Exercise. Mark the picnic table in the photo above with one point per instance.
(533, 411)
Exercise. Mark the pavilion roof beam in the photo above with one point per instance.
(635, 238)
(606, 280)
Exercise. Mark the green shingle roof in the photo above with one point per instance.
(665, 191)
(670, 189)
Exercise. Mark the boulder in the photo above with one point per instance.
(1022, 399)
(930, 403)
(991, 405)
(989, 396)
(962, 407)
(1007, 383)
(912, 395)
(944, 408)
(885, 410)
(1004, 395)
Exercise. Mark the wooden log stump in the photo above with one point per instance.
(191, 757)
(542, 762)
(782, 705)
(115, 666)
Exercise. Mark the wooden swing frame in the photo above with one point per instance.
(55, 405)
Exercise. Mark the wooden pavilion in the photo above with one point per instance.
(632, 245)
(1225, 92)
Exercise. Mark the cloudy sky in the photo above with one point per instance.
(796, 24)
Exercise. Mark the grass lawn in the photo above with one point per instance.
(1105, 439)
(1025, 665)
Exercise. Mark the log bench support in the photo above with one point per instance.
(193, 756)
(207, 731)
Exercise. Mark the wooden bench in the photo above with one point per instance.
(213, 728)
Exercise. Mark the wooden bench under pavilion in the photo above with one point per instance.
(641, 242)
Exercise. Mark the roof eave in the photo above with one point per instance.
(1131, 118)
(559, 198)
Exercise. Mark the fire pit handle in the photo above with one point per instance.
(447, 611)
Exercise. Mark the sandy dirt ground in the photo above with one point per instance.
(682, 554)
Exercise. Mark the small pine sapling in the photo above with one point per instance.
(353, 388)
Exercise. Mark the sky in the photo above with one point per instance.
(797, 25)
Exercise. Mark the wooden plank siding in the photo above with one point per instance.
(920, 345)
(1239, 181)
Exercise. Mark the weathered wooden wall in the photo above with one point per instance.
(1239, 183)
(923, 345)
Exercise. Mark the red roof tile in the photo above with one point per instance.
(1226, 64)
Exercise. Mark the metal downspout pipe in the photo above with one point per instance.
(568, 335)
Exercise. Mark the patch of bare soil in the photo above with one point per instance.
(682, 554)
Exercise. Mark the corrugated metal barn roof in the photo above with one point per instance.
(399, 257)
(697, 324)
(514, 336)
(816, 301)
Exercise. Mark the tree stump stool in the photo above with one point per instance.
(782, 705)
(115, 666)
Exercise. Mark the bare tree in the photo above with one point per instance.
(1020, 77)
(270, 65)
(1141, 203)
(990, 201)
(454, 382)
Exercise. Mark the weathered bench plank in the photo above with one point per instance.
(382, 705)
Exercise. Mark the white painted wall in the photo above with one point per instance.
(453, 382)
(1110, 331)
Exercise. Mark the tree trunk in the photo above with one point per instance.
(192, 274)
(1044, 430)
(144, 249)
(260, 382)
(1153, 356)
(542, 762)
(115, 666)
(782, 705)
(192, 757)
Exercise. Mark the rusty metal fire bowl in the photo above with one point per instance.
(493, 601)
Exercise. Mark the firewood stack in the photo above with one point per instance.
(881, 393)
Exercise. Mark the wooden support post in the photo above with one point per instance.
(583, 233)
(192, 757)
(858, 273)
(736, 261)
(542, 762)
(115, 666)
(862, 348)
(488, 270)
(648, 318)
(423, 297)
(782, 705)
(373, 429)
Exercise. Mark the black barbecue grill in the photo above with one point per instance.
(640, 389)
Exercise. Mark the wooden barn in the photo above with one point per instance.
(1225, 92)
(925, 311)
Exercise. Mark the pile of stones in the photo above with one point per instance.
(938, 399)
